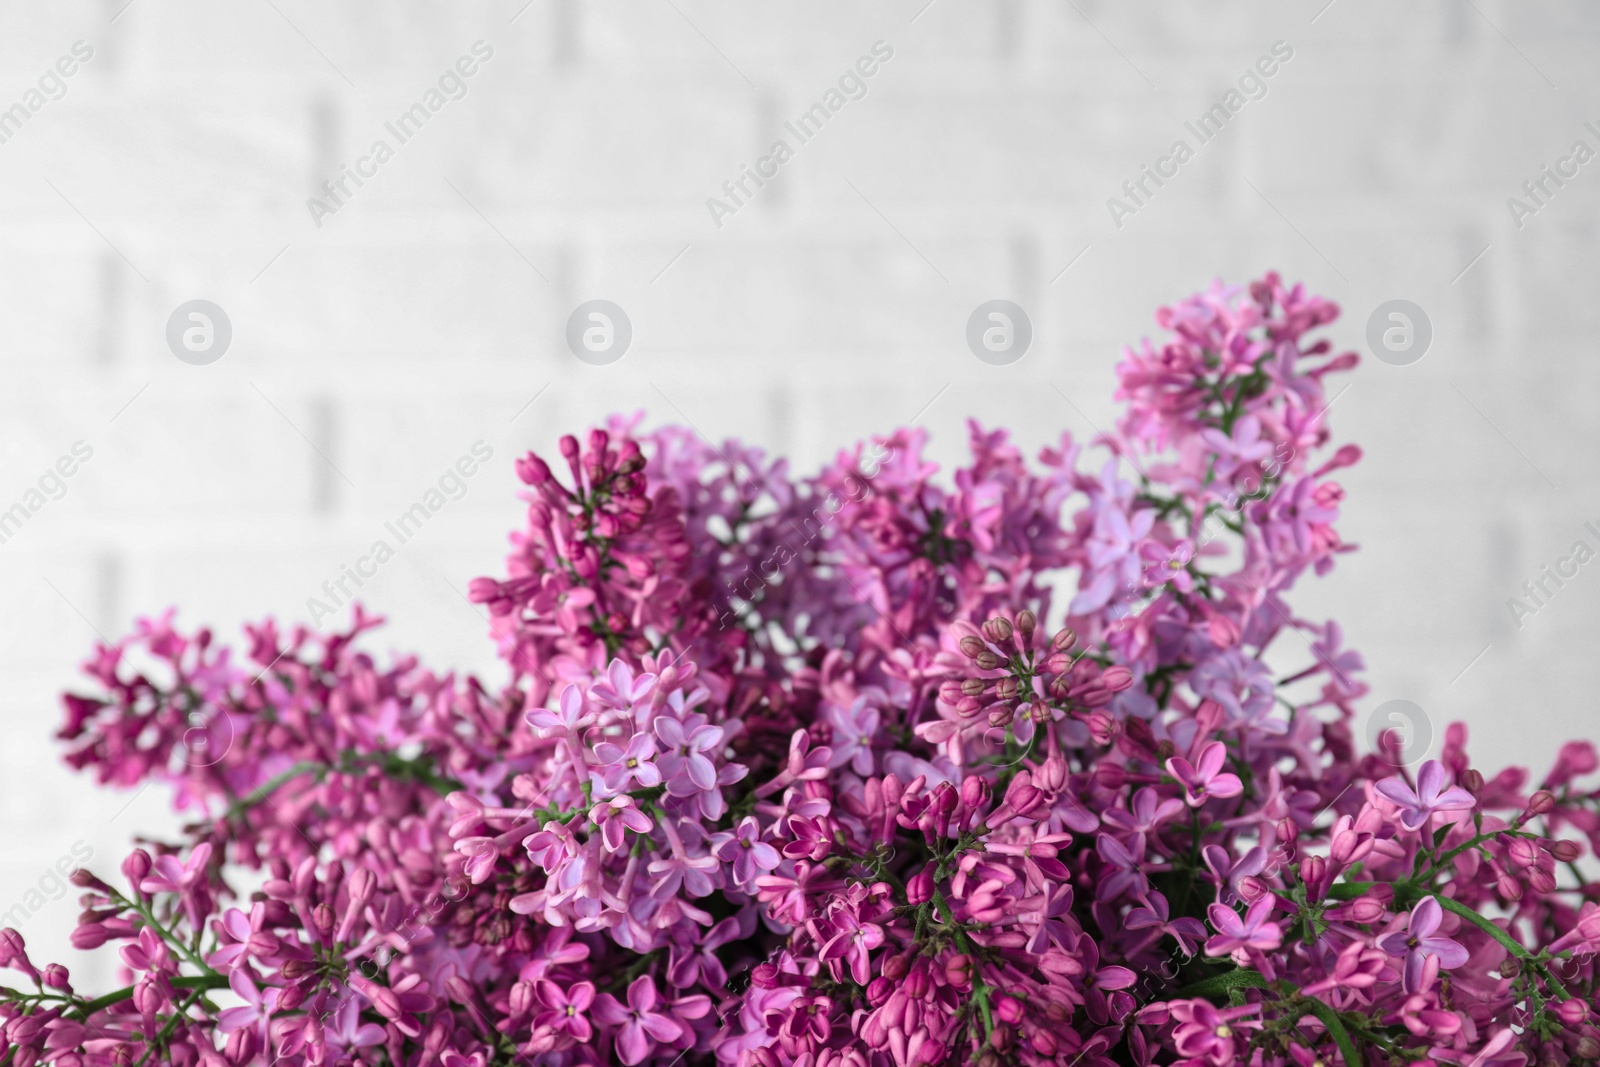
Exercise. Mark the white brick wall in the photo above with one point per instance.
(405, 328)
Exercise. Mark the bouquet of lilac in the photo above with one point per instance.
(796, 773)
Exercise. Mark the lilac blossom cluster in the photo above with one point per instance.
(871, 810)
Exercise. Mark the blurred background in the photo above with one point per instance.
(361, 333)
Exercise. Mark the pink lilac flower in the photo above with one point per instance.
(1254, 930)
(639, 1025)
(1205, 779)
(1419, 941)
(889, 765)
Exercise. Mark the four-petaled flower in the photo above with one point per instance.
(640, 1025)
(1206, 779)
(617, 815)
(1429, 797)
(564, 1009)
(1419, 940)
(1254, 930)
(743, 848)
(621, 767)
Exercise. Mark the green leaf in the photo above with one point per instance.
(1226, 982)
(1341, 1036)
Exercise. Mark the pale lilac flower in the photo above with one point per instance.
(684, 761)
(1254, 930)
(1419, 941)
(624, 769)
(1430, 796)
(1206, 779)
(743, 848)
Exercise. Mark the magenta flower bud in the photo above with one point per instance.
(1542, 881)
(1508, 887)
(1064, 639)
(1043, 1043)
(1022, 795)
(1007, 1009)
(974, 790)
(1565, 851)
(1538, 804)
(879, 990)
(1572, 1011)
(919, 888)
(1000, 717)
(918, 983)
(1288, 830)
(931, 1052)
(1052, 775)
(85, 879)
(1312, 870)
(1252, 888)
(533, 471)
(55, 976)
(1366, 909)
(1111, 775)
(958, 970)
(986, 660)
(764, 976)
(293, 996)
(147, 997)
(522, 999)
(322, 918)
(569, 446)
(895, 967)
(241, 1045)
(997, 630)
(89, 935)
(136, 867)
(1027, 622)
(971, 646)
(1116, 679)
(1472, 780)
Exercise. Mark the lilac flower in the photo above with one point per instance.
(348, 1032)
(1154, 915)
(743, 848)
(852, 941)
(1206, 780)
(569, 721)
(1419, 942)
(257, 1008)
(1254, 931)
(564, 1009)
(683, 759)
(854, 730)
(1430, 796)
(640, 1025)
(616, 816)
(621, 768)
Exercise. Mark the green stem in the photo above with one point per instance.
(201, 982)
(980, 991)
